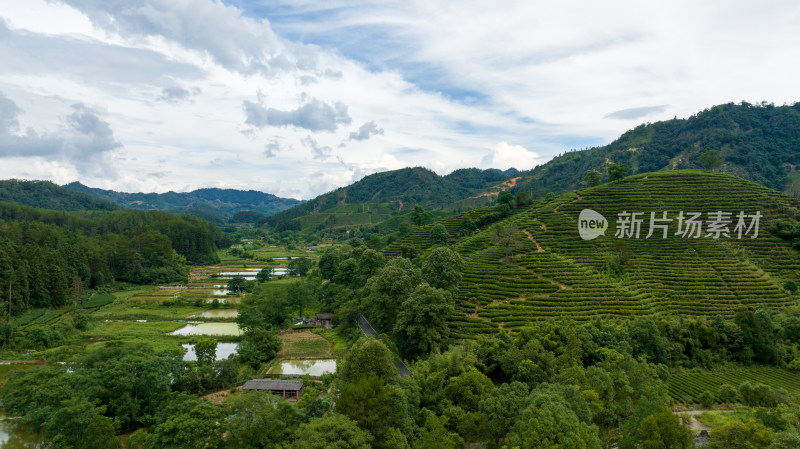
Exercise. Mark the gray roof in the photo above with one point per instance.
(324, 316)
(272, 384)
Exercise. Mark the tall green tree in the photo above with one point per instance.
(711, 159)
(370, 404)
(259, 345)
(368, 357)
(419, 216)
(499, 407)
(736, 434)
(593, 178)
(548, 420)
(264, 308)
(617, 171)
(759, 333)
(523, 198)
(193, 424)
(331, 432)
(387, 290)
(300, 266)
(443, 269)
(257, 419)
(505, 197)
(301, 295)
(664, 430)
(422, 322)
(439, 234)
(206, 351)
(77, 423)
(237, 284)
(434, 435)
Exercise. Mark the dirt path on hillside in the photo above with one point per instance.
(539, 248)
(579, 197)
(542, 278)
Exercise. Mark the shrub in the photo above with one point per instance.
(727, 393)
(706, 399)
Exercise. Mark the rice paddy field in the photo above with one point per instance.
(164, 316)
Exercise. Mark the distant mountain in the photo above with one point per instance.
(760, 143)
(46, 195)
(214, 204)
(382, 195)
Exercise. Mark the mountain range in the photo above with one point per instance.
(213, 204)
(757, 142)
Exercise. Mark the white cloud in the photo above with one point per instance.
(175, 79)
(504, 156)
(366, 131)
(313, 116)
(84, 140)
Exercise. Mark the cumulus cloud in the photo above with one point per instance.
(637, 113)
(97, 63)
(320, 152)
(220, 31)
(176, 94)
(366, 131)
(85, 141)
(315, 115)
(272, 148)
(504, 156)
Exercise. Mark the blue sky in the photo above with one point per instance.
(299, 97)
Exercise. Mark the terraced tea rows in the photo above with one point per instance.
(420, 237)
(555, 273)
(688, 387)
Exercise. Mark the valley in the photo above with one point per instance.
(410, 310)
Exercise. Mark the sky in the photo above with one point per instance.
(298, 97)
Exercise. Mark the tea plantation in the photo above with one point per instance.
(553, 272)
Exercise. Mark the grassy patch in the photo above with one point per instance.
(717, 419)
(99, 300)
(339, 343)
(119, 330)
(304, 344)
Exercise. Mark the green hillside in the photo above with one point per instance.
(380, 196)
(46, 195)
(760, 143)
(554, 273)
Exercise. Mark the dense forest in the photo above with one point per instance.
(48, 258)
(760, 143)
(573, 384)
(46, 195)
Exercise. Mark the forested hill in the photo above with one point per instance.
(400, 190)
(46, 256)
(46, 195)
(760, 143)
(533, 264)
(217, 204)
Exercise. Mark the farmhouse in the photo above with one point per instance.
(323, 319)
(288, 389)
